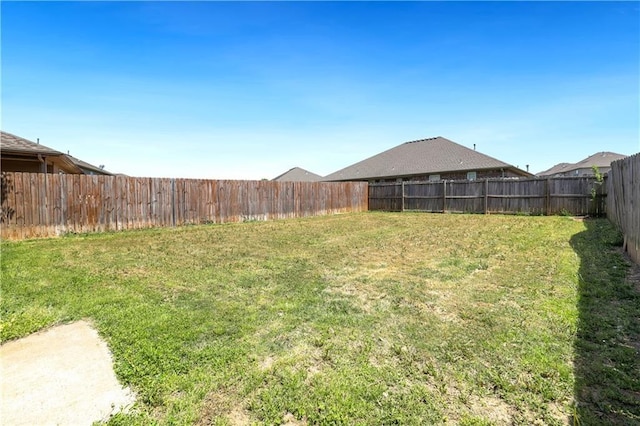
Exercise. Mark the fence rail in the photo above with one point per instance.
(548, 196)
(40, 205)
(623, 202)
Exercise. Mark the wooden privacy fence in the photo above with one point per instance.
(623, 202)
(39, 205)
(537, 196)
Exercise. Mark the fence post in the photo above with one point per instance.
(547, 196)
(486, 196)
(402, 186)
(444, 196)
(45, 216)
(173, 201)
(63, 203)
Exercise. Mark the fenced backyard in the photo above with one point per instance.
(481, 319)
(41, 205)
(363, 318)
(577, 196)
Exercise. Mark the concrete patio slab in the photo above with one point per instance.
(61, 376)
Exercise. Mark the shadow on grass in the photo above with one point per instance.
(607, 363)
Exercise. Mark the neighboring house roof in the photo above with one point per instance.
(298, 174)
(16, 145)
(557, 169)
(88, 168)
(599, 159)
(12, 145)
(420, 157)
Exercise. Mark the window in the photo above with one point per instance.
(471, 175)
(434, 178)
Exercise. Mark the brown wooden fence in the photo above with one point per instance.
(623, 202)
(537, 196)
(40, 205)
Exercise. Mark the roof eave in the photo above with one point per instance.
(514, 169)
(13, 151)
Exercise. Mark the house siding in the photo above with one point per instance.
(461, 175)
(584, 172)
(31, 166)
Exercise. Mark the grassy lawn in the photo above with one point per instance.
(371, 318)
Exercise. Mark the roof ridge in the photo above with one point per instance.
(424, 139)
(298, 169)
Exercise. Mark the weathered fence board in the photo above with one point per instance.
(39, 205)
(563, 195)
(623, 202)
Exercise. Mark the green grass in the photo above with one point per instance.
(370, 318)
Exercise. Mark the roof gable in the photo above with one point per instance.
(87, 168)
(599, 159)
(298, 174)
(558, 168)
(424, 156)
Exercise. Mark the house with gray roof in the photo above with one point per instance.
(18, 154)
(298, 174)
(431, 159)
(88, 169)
(601, 160)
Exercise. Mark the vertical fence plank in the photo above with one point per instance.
(122, 203)
(486, 196)
(41, 182)
(444, 196)
(19, 193)
(34, 207)
(106, 188)
(9, 206)
(29, 205)
(44, 205)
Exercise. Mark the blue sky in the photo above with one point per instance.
(250, 90)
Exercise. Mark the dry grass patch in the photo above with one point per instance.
(222, 408)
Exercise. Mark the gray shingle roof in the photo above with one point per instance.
(298, 174)
(599, 159)
(87, 166)
(424, 156)
(15, 144)
(558, 168)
